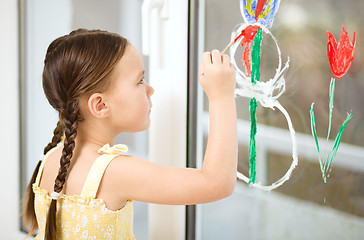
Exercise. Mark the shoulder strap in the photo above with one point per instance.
(95, 174)
(41, 167)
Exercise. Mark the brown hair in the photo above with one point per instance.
(75, 65)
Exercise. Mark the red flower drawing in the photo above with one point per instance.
(340, 54)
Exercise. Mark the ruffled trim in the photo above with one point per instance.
(79, 200)
(116, 149)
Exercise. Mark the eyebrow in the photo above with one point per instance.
(141, 74)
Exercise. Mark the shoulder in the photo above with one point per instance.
(129, 165)
(117, 178)
(54, 154)
(51, 167)
(123, 165)
(52, 160)
(124, 172)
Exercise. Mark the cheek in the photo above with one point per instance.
(133, 113)
(144, 107)
(138, 109)
(137, 118)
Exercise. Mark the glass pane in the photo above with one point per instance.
(44, 21)
(304, 207)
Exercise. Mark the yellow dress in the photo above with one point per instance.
(85, 217)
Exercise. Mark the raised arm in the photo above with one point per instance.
(140, 180)
(218, 81)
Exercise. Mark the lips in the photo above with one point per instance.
(150, 107)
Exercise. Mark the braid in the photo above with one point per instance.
(70, 120)
(29, 217)
(71, 123)
(57, 136)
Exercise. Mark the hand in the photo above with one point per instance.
(217, 75)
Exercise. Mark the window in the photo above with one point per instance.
(304, 207)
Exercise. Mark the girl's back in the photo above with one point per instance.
(78, 170)
(83, 211)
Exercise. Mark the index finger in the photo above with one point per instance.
(216, 57)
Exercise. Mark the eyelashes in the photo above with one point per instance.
(141, 81)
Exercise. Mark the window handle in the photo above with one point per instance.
(147, 8)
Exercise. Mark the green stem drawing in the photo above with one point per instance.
(325, 167)
(253, 106)
(331, 105)
(337, 142)
(314, 134)
(256, 57)
(252, 149)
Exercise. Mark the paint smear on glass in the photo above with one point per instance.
(326, 166)
(259, 11)
(267, 94)
(252, 149)
(248, 35)
(259, 8)
(253, 106)
(341, 54)
(256, 57)
(258, 17)
(331, 156)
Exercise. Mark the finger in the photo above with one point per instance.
(225, 59)
(206, 58)
(216, 56)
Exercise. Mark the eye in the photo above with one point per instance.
(141, 80)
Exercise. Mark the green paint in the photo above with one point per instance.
(313, 126)
(325, 168)
(331, 105)
(252, 149)
(256, 57)
(314, 133)
(253, 106)
(337, 141)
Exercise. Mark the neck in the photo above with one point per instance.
(92, 137)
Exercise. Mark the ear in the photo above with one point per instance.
(97, 106)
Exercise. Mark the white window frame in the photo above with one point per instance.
(167, 133)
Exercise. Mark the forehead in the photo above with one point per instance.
(130, 65)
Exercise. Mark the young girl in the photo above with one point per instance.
(84, 187)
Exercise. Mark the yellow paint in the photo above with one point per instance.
(263, 14)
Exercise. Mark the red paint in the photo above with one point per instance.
(248, 33)
(259, 8)
(340, 54)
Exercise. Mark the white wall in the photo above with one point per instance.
(9, 124)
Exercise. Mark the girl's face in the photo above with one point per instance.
(129, 95)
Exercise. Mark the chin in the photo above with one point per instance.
(142, 128)
(145, 128)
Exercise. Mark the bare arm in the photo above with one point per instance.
(141, 180)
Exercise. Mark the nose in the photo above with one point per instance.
(150, 91)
